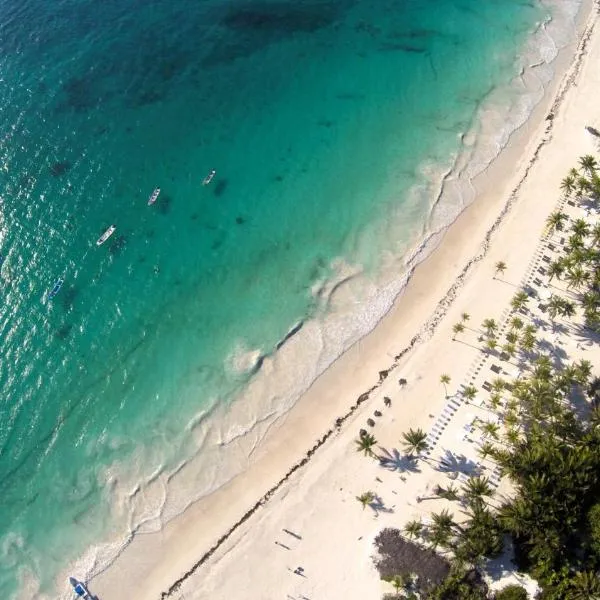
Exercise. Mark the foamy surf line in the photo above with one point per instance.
(415, 258)
(428, 329)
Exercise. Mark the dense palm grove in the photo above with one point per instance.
(548, 445)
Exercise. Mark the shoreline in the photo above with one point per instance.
(428, 328)
(441, 308)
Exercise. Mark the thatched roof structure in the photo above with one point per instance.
(398, 556)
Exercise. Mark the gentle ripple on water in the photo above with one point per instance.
(106, 389)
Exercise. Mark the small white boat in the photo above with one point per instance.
(209, 177)
(153, 196)
(105, 235)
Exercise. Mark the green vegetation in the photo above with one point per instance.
(445, 380)
(547, 443)
(365, 443)
(456, 329)
(512, 592)
(366, 498)
(414, 441)
(499, 267)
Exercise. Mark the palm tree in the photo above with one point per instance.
(366, 498)
(555, 269)
(512, 337)
(498, 384)
(580, 228)
(456, 329)
(588, 164)
(510, 349)
(586, 586)
(575, 243)
(595, 186)
(438, 536)
(445, 380)
(495, 400)
(490, 326)
(414, 441)
(519, 300)
(556, 220)
(568, 183)
(491, 344)
(469, 393)
(499, 267)
(590, 300)
(365, 443)
(464, 317)
(413, 528)
(516, 323)
(511, 419)
(477, 487)
(554, 306)
(486, 449)
(583, 185)
(583, 371)
(576, 277)
(512, 436)
(567, 309)
(449, 493)
(400, 582)
(515, 516)
(490, 429)
(527, 342)
(596, 234)
(443, 519)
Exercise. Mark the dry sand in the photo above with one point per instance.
(317, 500)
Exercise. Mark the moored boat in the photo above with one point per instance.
(105, 235)
(209, 177)
(81, 589)
(153, 196)
(55, 289)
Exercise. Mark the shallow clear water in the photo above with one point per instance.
(318, 117)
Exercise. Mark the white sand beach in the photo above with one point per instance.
(328, 533)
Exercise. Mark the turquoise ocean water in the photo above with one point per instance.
(312, 113)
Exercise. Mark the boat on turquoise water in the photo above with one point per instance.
(153, 196)
(105, 235)
(81, 589)
(55, 289)
(209, 177)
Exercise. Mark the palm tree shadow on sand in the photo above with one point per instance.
(394, 461)
(457, 463)
(378, 506)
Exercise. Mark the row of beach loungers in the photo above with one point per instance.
(455, 402)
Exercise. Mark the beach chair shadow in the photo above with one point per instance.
(394, 461)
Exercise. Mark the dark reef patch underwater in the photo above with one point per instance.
(328, 124)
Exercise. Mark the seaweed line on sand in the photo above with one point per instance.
(430, 325)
